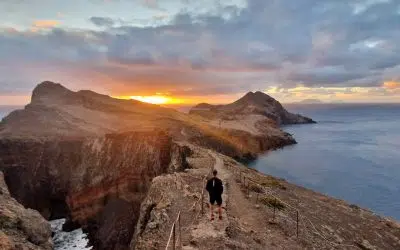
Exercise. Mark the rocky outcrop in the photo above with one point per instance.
(257, 103)
(21, 228)
(87, 180)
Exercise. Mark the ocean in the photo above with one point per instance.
(352, 153)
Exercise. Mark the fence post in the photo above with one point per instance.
(297, 223)
(173, 237)
(202, 202)
(180, 232)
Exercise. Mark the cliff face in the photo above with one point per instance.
(21, 228)
(88, 180)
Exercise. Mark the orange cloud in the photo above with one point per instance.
(391, 85)
(45, 23)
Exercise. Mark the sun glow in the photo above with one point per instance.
(155, 99)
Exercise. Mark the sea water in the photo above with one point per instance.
(352, 153)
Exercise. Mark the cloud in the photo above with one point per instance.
(45, 23)
(391, 85)
(102, 21)
(231, 49)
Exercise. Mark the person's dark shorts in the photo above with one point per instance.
(216, 199)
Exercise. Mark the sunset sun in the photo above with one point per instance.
(155, 99)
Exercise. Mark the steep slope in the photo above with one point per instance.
(249, 220)
(257, 103)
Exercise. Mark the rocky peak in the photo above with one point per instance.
(257, 98)
(49, 91)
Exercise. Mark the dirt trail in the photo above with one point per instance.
(212, 234)
(243, 224)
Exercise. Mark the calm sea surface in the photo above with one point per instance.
(353, 153)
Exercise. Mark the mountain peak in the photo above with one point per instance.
(49, 90)
(258, 98)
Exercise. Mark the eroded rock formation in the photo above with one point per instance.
(98, 183)
(21, 228)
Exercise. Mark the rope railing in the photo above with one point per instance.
(172, 235)
(243, 177)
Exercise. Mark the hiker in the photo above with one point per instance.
(215, 189)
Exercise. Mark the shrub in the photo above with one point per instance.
(256, 188)
(274, 183)
(273, 202)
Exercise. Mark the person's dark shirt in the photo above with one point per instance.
(214, 186)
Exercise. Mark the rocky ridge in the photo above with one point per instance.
(249, 221)
(252, 104)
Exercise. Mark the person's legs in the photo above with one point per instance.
(212, 201)
(219, 203)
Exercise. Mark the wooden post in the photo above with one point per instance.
(180, 232)
(173, 237)
(202, 202)
(274, 213)
(297, 223)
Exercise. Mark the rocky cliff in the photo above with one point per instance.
(21, 228)
(98, 183)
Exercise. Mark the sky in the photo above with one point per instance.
(191, 51)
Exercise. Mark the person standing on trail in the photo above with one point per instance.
(215, 189)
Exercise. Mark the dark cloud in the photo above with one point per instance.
(311, 42)
(102, 21)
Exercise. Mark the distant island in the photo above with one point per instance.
(310, 101)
